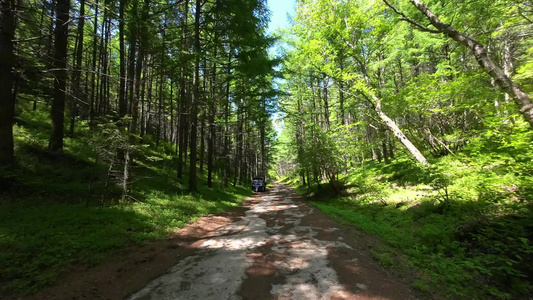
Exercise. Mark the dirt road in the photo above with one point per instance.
(276, 247)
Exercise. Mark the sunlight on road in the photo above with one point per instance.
(219, 268)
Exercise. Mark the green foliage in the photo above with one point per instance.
(52, 216)
(465, 222)
(383, 257)
(40, 241)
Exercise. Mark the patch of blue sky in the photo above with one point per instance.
(282, 12)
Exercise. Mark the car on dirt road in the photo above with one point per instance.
(258, 184)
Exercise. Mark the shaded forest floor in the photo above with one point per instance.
(60, 212)
(465, 222)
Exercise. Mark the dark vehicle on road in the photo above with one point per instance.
(258, 184)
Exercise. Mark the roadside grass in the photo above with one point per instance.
(465, 223)
(52, 216)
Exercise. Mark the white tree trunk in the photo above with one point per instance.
(393, 127)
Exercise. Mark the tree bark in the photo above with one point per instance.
(225, 180)
(393, 127)
(172, 127)
(105, 57)
(93, 77)
(60, 82)
(341, 89)
(326, 104)
(123, 151)
(149, 87)
(195, 99)
(7, 101)
(263, 148)
(131, 58)
(202, 141)
(77, 73)
(239, 137)
(122, 104)
(126, 174)
(160, 113)
(145, 75)
(385, 150)
(211, 122)
(211, 146)
(183, 105)
(203, 118)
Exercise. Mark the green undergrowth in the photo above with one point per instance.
(465, 223)
(56, 211)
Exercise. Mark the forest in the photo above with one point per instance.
(122, 121)
(142, 115)
(412, 120)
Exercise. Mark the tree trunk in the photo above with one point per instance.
(393, 127)
(50, 42)
(148, 116)
(385, 150)
(122, 103)
(93, 77)
(98, 70)
(239, 139)
(183, 98)
(103, 63)
(143, 103)
(172, 127)
(77, 74)
(326, 104)
(202, 142)
(160, 95)
(226, 126)
(195, 99)
(131, 57)
(391, 148)
(60, 73)
(263, 148)
(341, 89)
(7, 102)
(204, 113)
(123, 154)
(126, 174)
(106, 61)
(211, 122)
